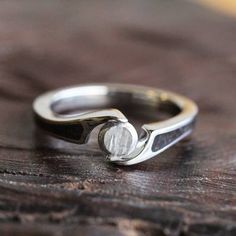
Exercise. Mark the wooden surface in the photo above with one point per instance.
(49, 187)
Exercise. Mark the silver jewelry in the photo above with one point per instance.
(117, 138)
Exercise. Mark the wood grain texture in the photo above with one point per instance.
(50, 187)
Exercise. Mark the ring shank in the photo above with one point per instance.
(50, 109)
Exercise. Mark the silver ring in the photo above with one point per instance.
(118, 139)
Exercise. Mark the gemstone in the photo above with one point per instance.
(118, 138)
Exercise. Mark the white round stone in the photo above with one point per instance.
(120, 139)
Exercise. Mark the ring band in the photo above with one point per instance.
(117, 138)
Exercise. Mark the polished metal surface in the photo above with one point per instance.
(98, 104)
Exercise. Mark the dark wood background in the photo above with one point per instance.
(49, 187)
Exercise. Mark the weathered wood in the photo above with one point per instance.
(50, 187)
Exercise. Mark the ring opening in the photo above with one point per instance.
(138, 106)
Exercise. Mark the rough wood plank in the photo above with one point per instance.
(49, 187)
